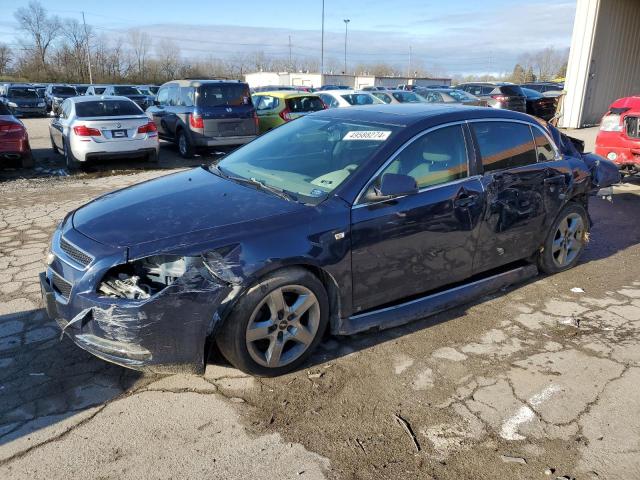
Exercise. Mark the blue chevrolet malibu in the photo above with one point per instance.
(343, 221)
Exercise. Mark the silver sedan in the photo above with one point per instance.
(93, 127)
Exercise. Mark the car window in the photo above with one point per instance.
(485, 90)
(187, 97)
(408, 97)
(223, 94)
(163, 96)
(107, 108)
(126, 90)
(382, 96)
(504, 145)
(460, 96)
(437, 157)
(173, 95)
(359, 99)
(267, 102)
(329, 101)
(544, 149)
(433, 97)
(63, 90)
(305, 104)
(66, 109)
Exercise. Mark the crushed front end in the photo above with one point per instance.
(153, 313)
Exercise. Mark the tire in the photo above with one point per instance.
(184, 145)
(566, 240)
(152, 157)
(56, 150)
(71, 161)
(27, 160)
(281, 341)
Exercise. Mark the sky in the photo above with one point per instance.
(455, 37)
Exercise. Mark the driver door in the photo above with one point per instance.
(412, 244)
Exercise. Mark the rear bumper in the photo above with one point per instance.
(202, 141)
(14, 149)
(91, 150)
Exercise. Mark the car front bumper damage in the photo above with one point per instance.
(164, 333)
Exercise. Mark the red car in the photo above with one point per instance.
(14, 141)
(619, 136)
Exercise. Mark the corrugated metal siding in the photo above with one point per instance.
(615, 62)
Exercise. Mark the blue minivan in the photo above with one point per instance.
(204, 113)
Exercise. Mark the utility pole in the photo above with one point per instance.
(410, 63)
(322, 44)
(86, 39)
(346, 28)
(290, 61)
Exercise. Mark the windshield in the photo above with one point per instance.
(63, 91)
(154, 90)
(107, 108)
(22, 93)
(82, 89)
(99, 90)
(219, 94)
(126, 90)
(309, 157)
(360, 99)
(408, 97)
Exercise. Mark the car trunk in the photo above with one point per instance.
(115, 129)
(226, 110)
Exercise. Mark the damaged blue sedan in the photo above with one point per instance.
(343, 221)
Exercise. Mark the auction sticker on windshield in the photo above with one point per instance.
(376, 135)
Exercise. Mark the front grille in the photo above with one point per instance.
(632, 125)
(61, 285)
(75, 253)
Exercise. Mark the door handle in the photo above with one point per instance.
(465, 200)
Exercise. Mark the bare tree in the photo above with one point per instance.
(168, 54)
(140, 45)
(6, 56)
(41, 28)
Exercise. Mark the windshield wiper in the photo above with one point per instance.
(263, 186)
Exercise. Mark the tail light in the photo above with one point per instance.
(286, 115)
(10, 127)
(148, 128)
(611, 123)
(500, 98)
(84, 131)
(196, 121)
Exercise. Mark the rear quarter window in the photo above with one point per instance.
(305, 104)
(504, 145)
(512, 90)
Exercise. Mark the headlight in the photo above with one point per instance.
(13, 104)
(611, 123)
(41, 104)
(143, 278)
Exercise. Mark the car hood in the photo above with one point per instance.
(174, 206)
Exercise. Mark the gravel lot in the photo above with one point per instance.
(539, 377)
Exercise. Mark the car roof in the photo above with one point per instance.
(196, 83)
(285, 94)
(96, 98)
(410, 114)
(343, 92)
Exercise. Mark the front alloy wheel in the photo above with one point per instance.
(283, 326)
(276, 324)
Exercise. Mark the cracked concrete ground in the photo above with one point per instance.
(535, 378)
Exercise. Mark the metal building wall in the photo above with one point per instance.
(604, 63)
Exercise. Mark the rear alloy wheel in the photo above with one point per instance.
(277, 324)
(184, 145)
(70, 160)
(566, 240)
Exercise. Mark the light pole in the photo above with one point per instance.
(346, 27)
(322, 44)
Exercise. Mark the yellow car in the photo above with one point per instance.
(278, 107)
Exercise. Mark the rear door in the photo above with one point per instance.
(411, 244)
(521, 192)
(158, 111)
(226, 109)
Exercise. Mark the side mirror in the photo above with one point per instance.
(394, 184)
